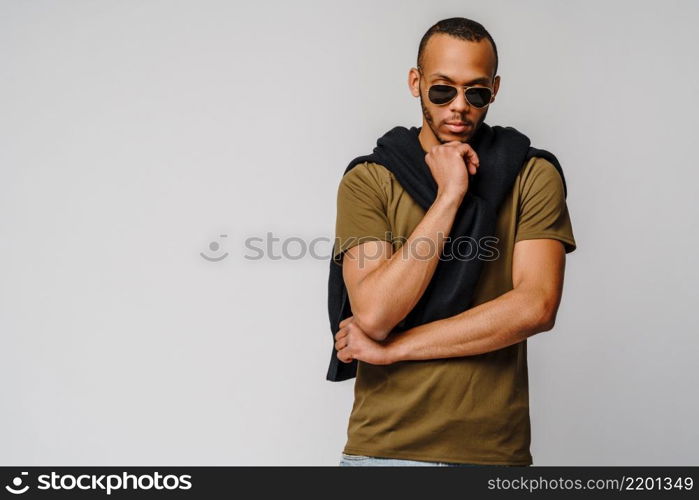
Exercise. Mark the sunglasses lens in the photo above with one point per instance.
(441, 94)
(478, 96)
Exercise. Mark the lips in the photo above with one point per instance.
(457, 126)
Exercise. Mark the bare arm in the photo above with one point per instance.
(529, 308)
(383, 286)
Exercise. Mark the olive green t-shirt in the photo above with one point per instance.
(470, 409)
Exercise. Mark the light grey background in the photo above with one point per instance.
(134, 133)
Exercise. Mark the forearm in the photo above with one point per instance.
(503, 321)
(387, 294)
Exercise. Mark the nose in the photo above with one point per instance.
(459, 104)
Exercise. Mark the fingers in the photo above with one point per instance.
(343, 358)
(343, 353)
(470, 156)
(341, 343)
(464, 149)
(342, 340)
(342, 332)
(472, 162)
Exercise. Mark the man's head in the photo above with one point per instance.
(457, 52)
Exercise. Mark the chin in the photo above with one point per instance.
(451, 136)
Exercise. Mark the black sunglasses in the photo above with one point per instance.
(478, 97)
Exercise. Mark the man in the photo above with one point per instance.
(453, 391)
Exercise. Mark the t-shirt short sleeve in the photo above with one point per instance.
(361, 208)
(543, 211)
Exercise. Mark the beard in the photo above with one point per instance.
(430, 122)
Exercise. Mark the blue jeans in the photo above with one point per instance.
(363, 461)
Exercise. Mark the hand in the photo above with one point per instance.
(352, 343)
(450, 163)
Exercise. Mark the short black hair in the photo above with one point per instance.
(458, 27)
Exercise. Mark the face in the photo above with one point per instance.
(452, 61)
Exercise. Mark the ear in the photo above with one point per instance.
(414, 82)
(496, 85)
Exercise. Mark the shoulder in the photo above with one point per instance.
(539, 175)
(542, 211)
(369, 172)
(367, 175)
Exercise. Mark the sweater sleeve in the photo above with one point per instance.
(361, 209)
(543, 211)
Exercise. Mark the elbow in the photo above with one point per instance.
(545, 318)
(548, 324)
(370, 324)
